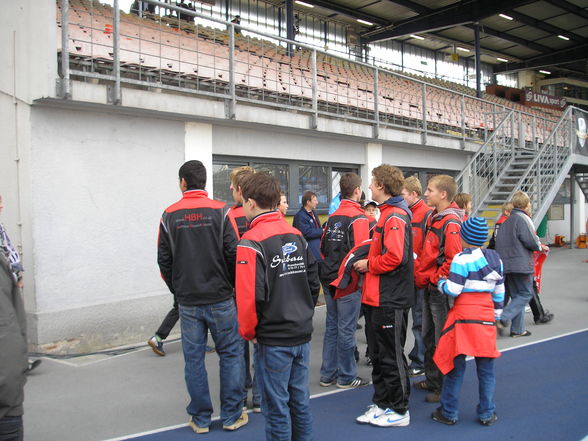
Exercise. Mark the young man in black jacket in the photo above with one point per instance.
(276, 280)
(196, 256)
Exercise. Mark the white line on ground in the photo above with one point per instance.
(336, 391)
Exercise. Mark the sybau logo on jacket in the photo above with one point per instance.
(334, 232)
(290, 263)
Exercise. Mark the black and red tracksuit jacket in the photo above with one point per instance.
(276, 278)
(238, 220)
(420, 215)
(442, 243)
(346, 227)
(196, 250)
(389, 280)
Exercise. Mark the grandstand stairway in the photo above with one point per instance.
(507, 163)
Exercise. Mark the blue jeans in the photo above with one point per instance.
(520, 289)
(486, 385)
(221, 319)
(248, 377)
(417, 354)
(339, 343)
(11, 428)
(435, 309)
(283, 375)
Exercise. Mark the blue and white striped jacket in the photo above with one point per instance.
(475, 270)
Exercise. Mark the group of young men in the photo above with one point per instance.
(245, 274)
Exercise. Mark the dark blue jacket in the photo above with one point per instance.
(311, 230)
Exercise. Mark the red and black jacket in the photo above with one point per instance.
(442, 243)
(499, 222)
(420, 215)
(346, 227)
(389, 281)
(238, 220)
(196, 250)
(277, 277)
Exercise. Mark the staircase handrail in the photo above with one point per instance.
(459, 177)
(546, 145)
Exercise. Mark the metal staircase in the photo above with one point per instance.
(513, 158)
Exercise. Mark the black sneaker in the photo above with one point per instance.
(547, 317)
(489, 421)
(438, 416)
(358, 382)
(522, 334)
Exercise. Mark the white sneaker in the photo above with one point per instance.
(372, 412)
(389, 418)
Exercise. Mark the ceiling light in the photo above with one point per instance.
(563, 37)
(462, 49)
(365, 22)
(546, 72)
(502, 59)
(308, 5)
(506, 17)
(418, 37)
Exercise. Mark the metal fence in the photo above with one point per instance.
(192, 53)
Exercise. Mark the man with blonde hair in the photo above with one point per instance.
(412, 194)
(515, 243)
(442, 243)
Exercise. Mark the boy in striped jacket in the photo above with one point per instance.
(476, 283)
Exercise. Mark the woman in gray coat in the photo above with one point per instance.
(515, 243)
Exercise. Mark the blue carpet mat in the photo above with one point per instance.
(541, 394)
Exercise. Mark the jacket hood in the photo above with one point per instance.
(452, 209)
(398, 201)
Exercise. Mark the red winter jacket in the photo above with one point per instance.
(442, 242)
(420, 215)
(238, 220)
(389, 279)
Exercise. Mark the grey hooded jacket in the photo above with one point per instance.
(515, 242)
(13, 343)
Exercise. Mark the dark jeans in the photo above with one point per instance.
(486, 385)
(520, 288)
(11, 428)
(386, 338)
(283, 373)
(435, 307)
(417, 354)
(169, 321)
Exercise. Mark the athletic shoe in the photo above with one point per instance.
(489, 421)
(522, 334)
(547, 317)
(327, 383)
(372, 412)
(358, 382)
(433, 397)
(423, 385)
(416, 372)
(391, 419)
(241, 421)
(156, 345)
(501, 325)
(256, 408)
(32, 364)
(438, 416)
(528, 308)
(196, 428)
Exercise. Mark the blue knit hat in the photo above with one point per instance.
(475, 231)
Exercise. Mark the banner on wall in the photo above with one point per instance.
(581, 121)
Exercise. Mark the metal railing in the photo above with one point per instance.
(222, 60)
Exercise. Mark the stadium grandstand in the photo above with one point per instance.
(101, 101)
(307, 90)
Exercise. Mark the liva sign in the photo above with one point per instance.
(540, 99)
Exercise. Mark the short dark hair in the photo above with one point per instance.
(348, 183)
(307, 196)
(263, 188)
(389, 177)
(194, 173)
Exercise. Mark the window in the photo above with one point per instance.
(295, 178)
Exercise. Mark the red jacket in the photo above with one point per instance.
(389, 279)
(277, 277)
(442, 242)
(470, 329)
(499, 222)
(420, 215)
(238, 220)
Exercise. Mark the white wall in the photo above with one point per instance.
(100, 183)
(424, 158)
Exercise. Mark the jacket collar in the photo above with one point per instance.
(396, 201)
(267, 216)
(195, 194)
